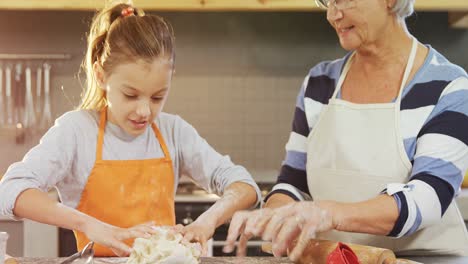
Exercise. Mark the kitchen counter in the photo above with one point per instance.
(212, 260)
(248, 260)
(440, 259)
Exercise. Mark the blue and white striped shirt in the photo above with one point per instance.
(434, 125)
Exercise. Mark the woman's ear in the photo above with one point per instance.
(99, 74)
(390, 3)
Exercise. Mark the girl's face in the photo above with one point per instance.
(136, 93)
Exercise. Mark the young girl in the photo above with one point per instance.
(116, 160)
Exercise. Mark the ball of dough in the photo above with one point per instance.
(164, 247)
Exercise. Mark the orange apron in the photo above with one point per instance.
(126, 193)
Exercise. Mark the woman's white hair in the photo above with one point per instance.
(403, 8)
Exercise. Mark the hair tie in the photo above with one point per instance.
(129, 11)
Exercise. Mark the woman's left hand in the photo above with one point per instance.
(301, 220)
(198, 231)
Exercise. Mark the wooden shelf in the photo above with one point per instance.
(458, 19)
(457, 9)
(210, 5)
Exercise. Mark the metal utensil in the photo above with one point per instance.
(19, 95)
(38, 89)
(85, 256)
(46, 114)
(29, 118)
(2, 104)
(9, 97)
(18, 91)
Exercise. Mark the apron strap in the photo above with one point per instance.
(100, 139)
(409, 66)
(102, 126)
(161, 140)
(343, 76)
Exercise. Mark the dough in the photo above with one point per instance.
(164, 247)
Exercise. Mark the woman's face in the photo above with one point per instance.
(360, 25)
(136, 93)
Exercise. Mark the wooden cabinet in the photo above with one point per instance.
(457, 9)
(212, 5)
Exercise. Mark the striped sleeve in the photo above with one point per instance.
(315, 92)
(440, 159)
(292, 180)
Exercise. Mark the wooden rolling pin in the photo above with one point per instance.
(317, 252)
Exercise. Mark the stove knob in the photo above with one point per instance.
(188, 219)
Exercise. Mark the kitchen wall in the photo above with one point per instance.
(237, 73)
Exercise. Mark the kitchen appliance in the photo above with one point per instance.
(192, 201)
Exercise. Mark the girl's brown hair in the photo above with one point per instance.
(116, 37)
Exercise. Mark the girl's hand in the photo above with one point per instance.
(199, 231)
(113, 237)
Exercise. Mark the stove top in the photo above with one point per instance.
(189, 188)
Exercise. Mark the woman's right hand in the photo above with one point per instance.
(292, 225)
(113, 237)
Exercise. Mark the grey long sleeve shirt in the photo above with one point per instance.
(66, 155)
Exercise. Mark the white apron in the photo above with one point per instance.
(354, 151)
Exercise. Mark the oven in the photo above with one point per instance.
(192, 201)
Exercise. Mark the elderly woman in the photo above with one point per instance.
(378, 148)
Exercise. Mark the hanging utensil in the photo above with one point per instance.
(29, 119)
(46, 120)
(38, 90)
(9, 98)
(2, 104)
(19, 91)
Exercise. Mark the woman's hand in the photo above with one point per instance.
(198, 231)
(245, 225)
(291, 225)
(113, 237)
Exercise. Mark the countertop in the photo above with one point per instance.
(247, 260)
(219, 260)
(440, 260)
